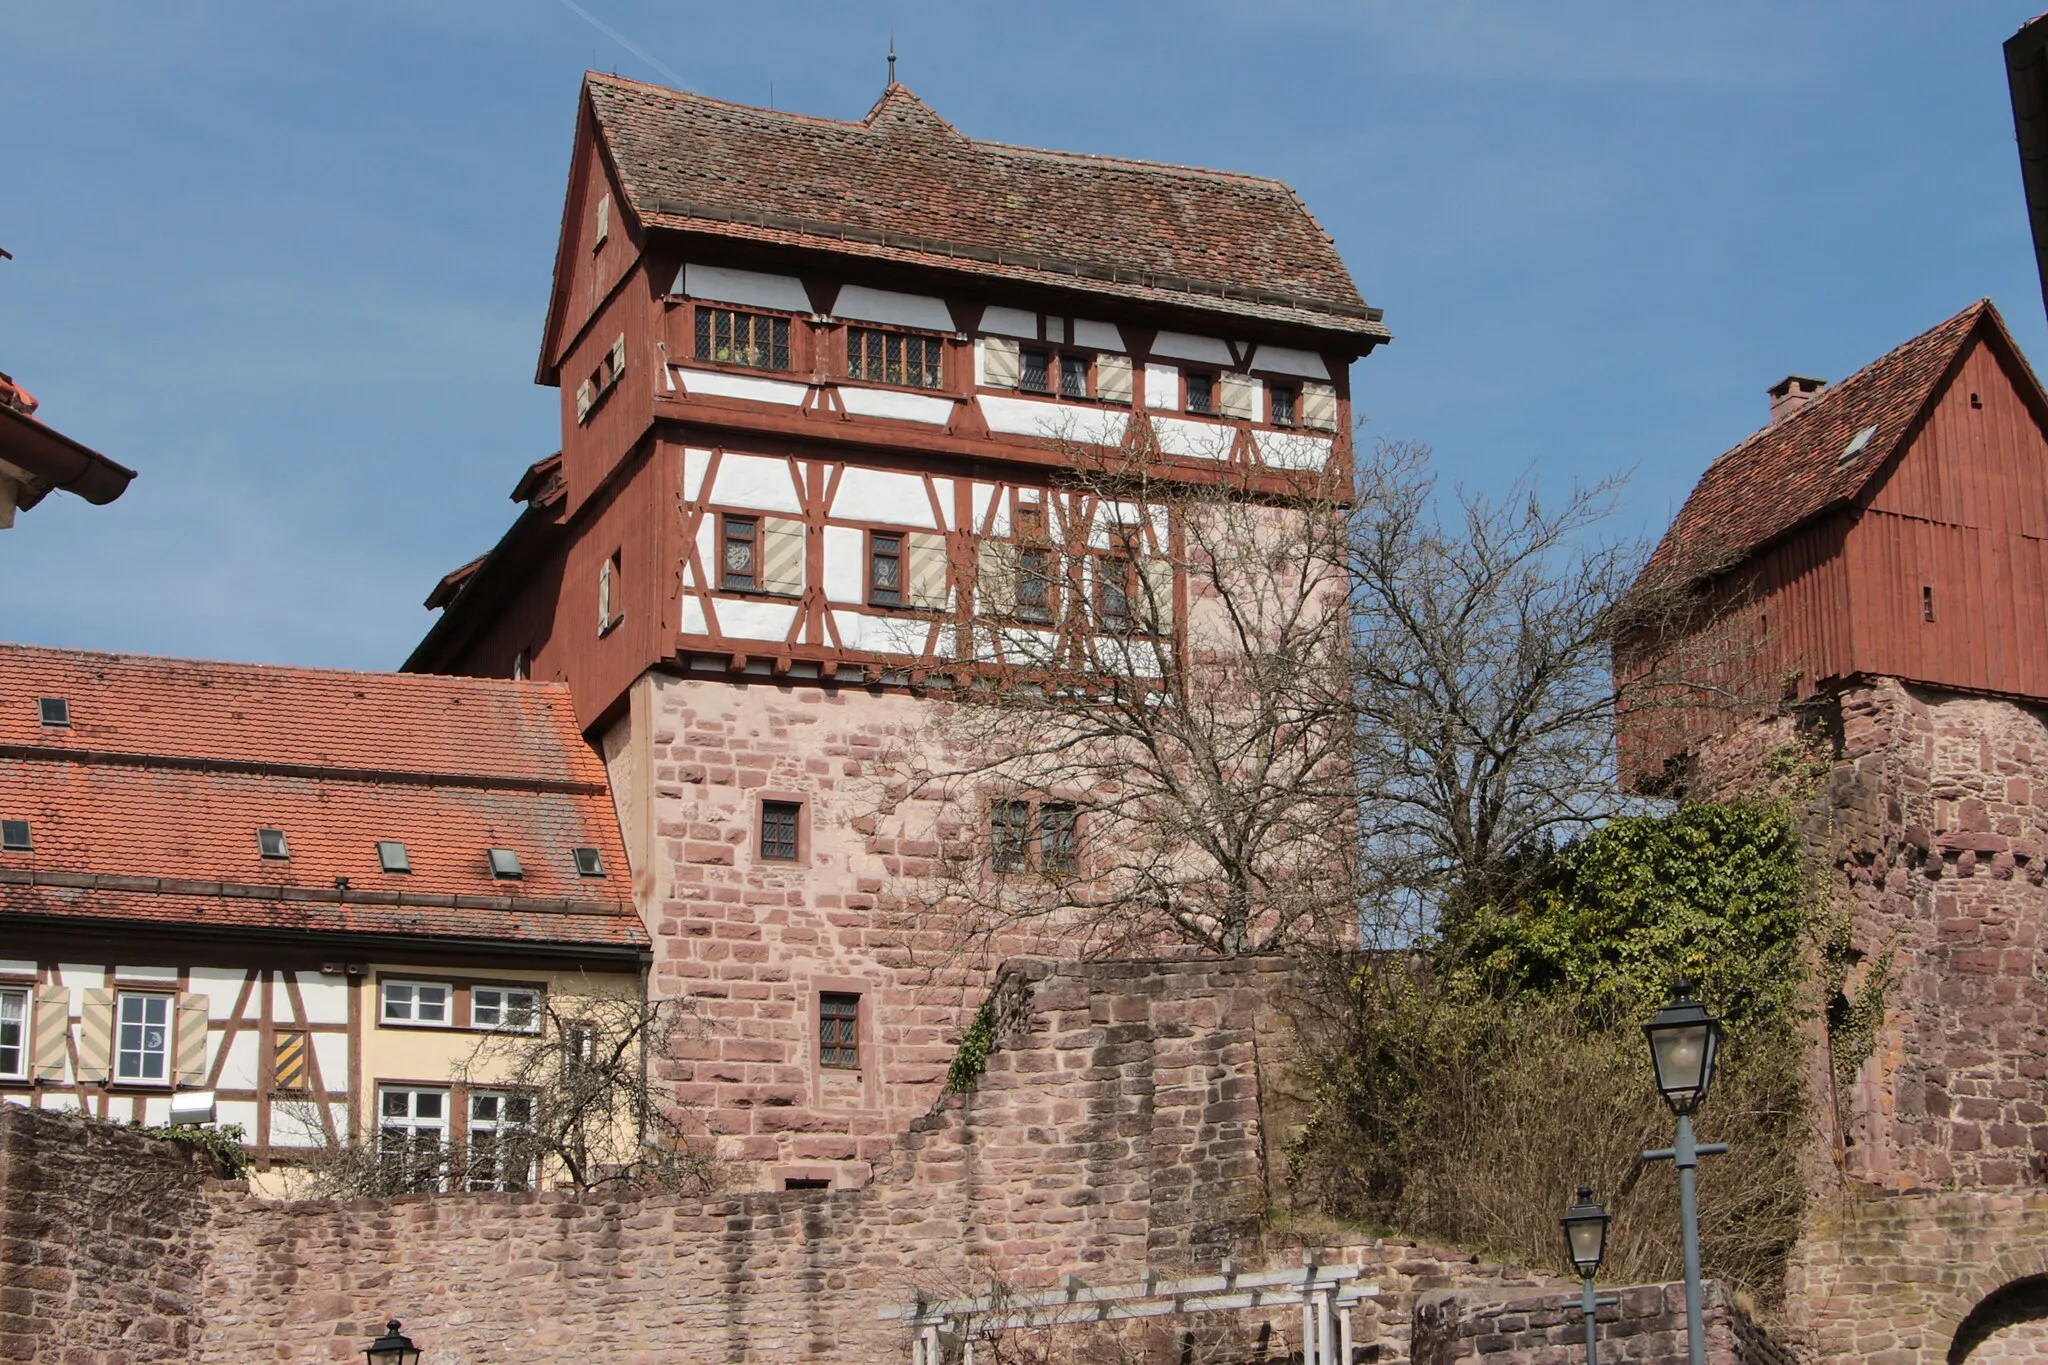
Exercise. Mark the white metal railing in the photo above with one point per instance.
(1324, 1293)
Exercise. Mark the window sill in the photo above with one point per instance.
(735, 367)
(427, 1026)
(760, 592)
(610, 626)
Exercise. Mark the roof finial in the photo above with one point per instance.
(892, 58)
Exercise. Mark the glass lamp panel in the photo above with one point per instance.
(1680, 1053)
(1587, 1237)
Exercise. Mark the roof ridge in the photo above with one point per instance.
(609, 78)
(15, 647)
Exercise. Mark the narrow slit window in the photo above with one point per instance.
(885, 570)
(1927, 604)
(1056, 847)
(779, 830)
(839, 1030)
(1009, 834)
(737, 556)
(1113, 595)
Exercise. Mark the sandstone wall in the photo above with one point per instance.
(1645, 1323)
(1930, 814)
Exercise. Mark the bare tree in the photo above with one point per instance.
(1147, 741)
(568, 1097)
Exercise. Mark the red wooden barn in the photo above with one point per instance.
(1892, 525)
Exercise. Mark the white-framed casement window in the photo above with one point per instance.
(412, 1138)
(13, 1032)
(142, 1038)
(512, 1009)
(495, 1159)
(416, 1002)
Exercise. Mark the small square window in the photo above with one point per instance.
(54, 710)
(1034, 372)
(779, 830)
(514, 1010)
(1201, 392)
(885, 570)
(416, 1002)
(391, 856)
(740, 570)
(270, 843)
(14, 836)
(589, 863)
(839, 1030)
(505, 865)
(805, 1183)
(1283, 400)
(1073, 376)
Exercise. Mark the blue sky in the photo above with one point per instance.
(290, 260)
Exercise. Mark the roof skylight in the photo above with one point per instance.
(588, 862)
(505, 865)
(53, 710)
(1857, 442)
(391, 856)
(14, 836)
(270, 843)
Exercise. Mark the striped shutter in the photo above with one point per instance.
(586, 394)
(782, 556)
(96, 1037)
(996, 578)
(1113, 378)
(999, 363)
(618, 359)
(927, 555)
(1319, 406)
(53, 1031)
(1239, 396)
(189, 1062)
(1157, 581)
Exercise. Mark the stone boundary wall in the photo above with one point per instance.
(1116, 1129)
(1647, 1324)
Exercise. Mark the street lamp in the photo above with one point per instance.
(1585, 1242)
(1684, 1042)
(392, 1348)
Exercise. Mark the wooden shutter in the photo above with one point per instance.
(999, 363)
(586, 394)
(1113, 378)
(1156, 581)
(618, 358)
(96, 1037)
(927, 578)
(604, 219)
(1237, 396)
(604, 596)
(995, 587)
(782, 556)
(53, 1031)
(190, 1059)
(1319, 406)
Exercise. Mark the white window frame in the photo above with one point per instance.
(16, 997)
(489, 1127)
(143, 1052)
(501, 1006)
(412, 1124)
(411, 1018)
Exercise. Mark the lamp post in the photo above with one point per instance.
(1684, 1039)
(392, 1348)
(1585, 1242)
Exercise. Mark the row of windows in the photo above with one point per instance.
(508, 1009)
(418, 1153)
(731, 336)
(1023, 835)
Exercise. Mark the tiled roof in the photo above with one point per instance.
(1797, 468)
(169, 767)
(903, 184)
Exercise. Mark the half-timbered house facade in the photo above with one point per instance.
(308, 892)
(820, 383)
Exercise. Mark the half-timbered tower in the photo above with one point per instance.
(816, 378)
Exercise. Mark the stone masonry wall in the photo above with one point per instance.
(1115, 1129)
(1931, 815)
(755, 942)
(1645, 1323)
(101, 1243)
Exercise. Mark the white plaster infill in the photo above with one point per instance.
(1292, 450)
(894, 403)
(865, 304)
(722, 284)
(1193, 440)
(1010, 322)
(1182, 346)
(884, 496)
(721, 384)
(1287, 360)
(756, 481)
(1054, 421)
(746, 618)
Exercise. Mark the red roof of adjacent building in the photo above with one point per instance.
(146, 805)
(1797, 468)
(903, 184)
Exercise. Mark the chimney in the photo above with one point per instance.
(1792, 393)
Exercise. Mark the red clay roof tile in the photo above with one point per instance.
(904, 184)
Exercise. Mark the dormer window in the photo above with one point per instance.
(727, 336)
(882, 357)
